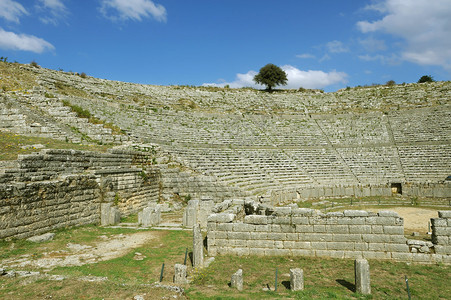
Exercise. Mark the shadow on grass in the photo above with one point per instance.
(286, 284)
(350, 286)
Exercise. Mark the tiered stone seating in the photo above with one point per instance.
(324, 165)
(425, 163)
(350, 129)
(421, 125)
(373, 165)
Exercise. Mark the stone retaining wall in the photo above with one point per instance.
(28, 209)
(433, 190)
(58, 188)
(305, 232)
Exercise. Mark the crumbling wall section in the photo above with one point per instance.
(287, 231)
(33, 208)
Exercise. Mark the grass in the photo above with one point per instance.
(324, 279)
(127, 277)
(334, 204)
(11, 145)
(83, 113)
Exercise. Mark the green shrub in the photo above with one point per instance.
(426, 78)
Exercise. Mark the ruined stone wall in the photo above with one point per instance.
(433, 190)
(57, 188)
(34, 208)
(305, 232)
(441, 232)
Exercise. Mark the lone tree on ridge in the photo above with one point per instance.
(271, 76)
(426, 78)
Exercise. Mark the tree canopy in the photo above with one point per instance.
(271, 76)
(426, 78)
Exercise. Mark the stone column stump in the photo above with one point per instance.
(296, 279)
(180, 274)
(362, 276)
(198, 247)
(237, 280)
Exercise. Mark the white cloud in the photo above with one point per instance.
(425, 27)
(296, 78)
(55, 8)
(372, 45)
(384, 59)
(133, 10)
(336, 47)
(23, 42)
(11, 10)
(305, 55)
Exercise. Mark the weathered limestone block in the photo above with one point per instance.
(221, 218)
(190, 213)
(296, 279)
(115, 216)
(180, 274)
(237, 280)
(362, 276)
(109, 215)
(105, 214)
(150, 216)
(198, 247)
(41, 238)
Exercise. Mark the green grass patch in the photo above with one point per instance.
(324, 279)
(12, 145)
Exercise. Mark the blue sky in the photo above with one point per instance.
(325, 44)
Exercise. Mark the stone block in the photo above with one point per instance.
(292, 236)
(256, 219)
(277, 236)
(221, 218)
(303, 252)
(180, 274)
(359, 229)
(275, 228)
(442, 231)
(243, 227)
(387, 213)
(237, 280)
(296, 279)
(282, 220)
(258, 235)
(303, 212)
(376, 255)
(355, 213)
(444, 213)
(397, 248)
(378, 229)
(376, 246)
(347, 238)
(304, 228)
(362, 276)
(224, 227)
(115, 216)
(437, 222)
(353, 254)
(340, 246)
(105, 214)
(439, 249)
(198, 247)
(337, 229)
(42, 238)
(238, 235)
(302, 245)
(278, 252)
(395, 230)
(319, 228)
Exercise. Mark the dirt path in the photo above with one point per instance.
(77, 254)
(415, 219)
